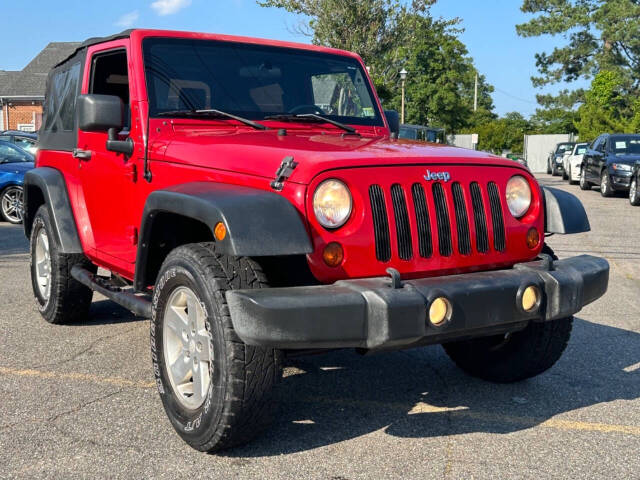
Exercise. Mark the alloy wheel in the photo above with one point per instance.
(187, 347)
(43, 264)
(13, 204)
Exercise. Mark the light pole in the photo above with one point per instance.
(403, 77)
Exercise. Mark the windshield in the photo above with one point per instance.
(255, 81)
(563, 147)
(626, 145)
(11, 154)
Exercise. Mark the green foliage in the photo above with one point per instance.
(608, 107)
(391, 35)
(499, 134)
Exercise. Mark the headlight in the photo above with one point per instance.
(518, 195)
(621, 167)
(332, 203)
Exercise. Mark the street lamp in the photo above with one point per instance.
(403, 77)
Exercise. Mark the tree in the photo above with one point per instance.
(506, 133)
(601, 35)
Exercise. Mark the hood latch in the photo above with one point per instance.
(285, 170)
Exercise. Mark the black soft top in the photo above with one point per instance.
(94, 41)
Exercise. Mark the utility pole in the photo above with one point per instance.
(475, 95)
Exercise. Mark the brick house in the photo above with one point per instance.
(22, 92)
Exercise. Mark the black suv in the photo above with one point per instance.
(609, 162)
(555, 161)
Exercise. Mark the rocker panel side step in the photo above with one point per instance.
(139, 305)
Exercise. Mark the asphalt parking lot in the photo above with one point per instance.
(79, 400)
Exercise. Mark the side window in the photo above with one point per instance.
(110, 76)
(603, 145)
(60, 103)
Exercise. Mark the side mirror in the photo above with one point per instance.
(99, 113)
(393, 119)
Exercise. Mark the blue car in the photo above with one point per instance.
(14, 163)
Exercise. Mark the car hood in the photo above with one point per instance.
(260, 153)
(17, 167)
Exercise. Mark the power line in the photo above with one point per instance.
(514, 97)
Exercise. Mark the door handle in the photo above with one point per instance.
(84, 155)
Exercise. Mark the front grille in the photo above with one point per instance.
(422, 209)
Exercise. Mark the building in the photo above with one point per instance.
(22, 92)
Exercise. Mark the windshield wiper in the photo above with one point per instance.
(212, 112)
(311, 117)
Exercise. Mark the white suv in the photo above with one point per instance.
(572, 163)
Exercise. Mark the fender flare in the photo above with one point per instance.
(259, 223)
(564, 212)
(53, 188)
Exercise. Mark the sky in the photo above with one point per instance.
(505, 59)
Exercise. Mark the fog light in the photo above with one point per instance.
(333, 254)
(533, 238)
(220, 231)
(530, 298)
(440, 311)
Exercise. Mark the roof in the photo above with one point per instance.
(31, 81)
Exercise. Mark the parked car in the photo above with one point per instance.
(517, 158)
(422, 133)
(258, 206)
(555, 159)
(634, 187)
(572, 163)
(609, 163)
(14, 163)
(25, 140)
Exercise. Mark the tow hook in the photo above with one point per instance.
(396, 282)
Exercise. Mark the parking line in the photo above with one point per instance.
(419, 408)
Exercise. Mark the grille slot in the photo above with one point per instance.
(462, 220)
(380, 223)
(403, 230)
(496, 218)
(480, 219)
(442, 219)
(425, 246)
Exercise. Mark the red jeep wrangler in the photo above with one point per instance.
(251, 198)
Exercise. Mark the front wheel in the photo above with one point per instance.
(215, 389)
(584, 184)
(515, 356)
(12, 204)
(564, 174)
(634, 194)
(606, 190)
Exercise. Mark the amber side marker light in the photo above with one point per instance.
(533, 238)
(333, 254)
(530, 298)
(440, 311)
(220, 231)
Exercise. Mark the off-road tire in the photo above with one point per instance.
(584, 184)
(238, 405)
(606, 190)
(515, 356)
(634, 192)
(69, 301)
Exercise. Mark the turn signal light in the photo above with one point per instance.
(333, 254)
(531, 298)
(533, 238)
(440, 311)
(220, 231)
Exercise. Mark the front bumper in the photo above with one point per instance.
(371, 314)
(621, 182)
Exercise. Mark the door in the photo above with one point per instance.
(108, 178)
(591, 157)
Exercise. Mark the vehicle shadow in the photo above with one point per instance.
(420, 393)
(105, 312)
(12, 240)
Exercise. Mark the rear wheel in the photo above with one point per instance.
(606, 190)
(584, 184)
(61, 299)
(634, 194)
(215, 389)
(548, 167)
(12, 204)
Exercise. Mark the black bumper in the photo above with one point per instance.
(371, 314)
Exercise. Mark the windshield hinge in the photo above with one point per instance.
(285, 170)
